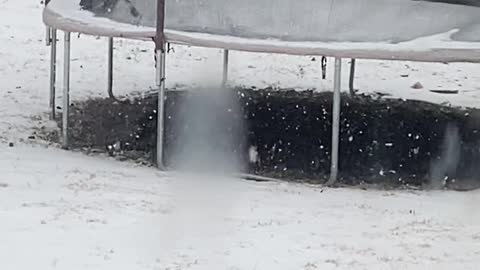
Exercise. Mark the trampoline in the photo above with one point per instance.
(414, 30)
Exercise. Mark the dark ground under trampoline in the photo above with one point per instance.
(384, 142)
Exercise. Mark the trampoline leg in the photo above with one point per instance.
(225, 67)
(110, 68)
(48, 30)
(48, 35)
(351, 85)
(53, 71)
(335, 121)
(66, 90)
(160, 78)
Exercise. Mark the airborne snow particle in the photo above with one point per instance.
(253, 154)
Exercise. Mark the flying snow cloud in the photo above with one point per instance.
(446, 164)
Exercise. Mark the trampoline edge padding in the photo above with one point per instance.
(444, 50)
(94, 27)
(360, 51)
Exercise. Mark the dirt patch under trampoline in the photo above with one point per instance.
(287, 134)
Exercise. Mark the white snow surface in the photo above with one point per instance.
(64, 210)
(61, 210)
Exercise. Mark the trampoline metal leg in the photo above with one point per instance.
(48, 36)
(53, 71)
(160, 78)
(66, 89)
(335, 122)
(110, 68)
(351, 84)
(225, 67)
(48, 30)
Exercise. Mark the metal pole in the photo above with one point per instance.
(53, 72)
(160, 70)
(48, 30)
(110, 68)
(335, 121)
(351, 85)
(48, 36)
(225, 68)
(160, 78)
(66, 89)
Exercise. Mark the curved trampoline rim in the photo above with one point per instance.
(445, 55)
(57, 21)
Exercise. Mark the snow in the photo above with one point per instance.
(93, 213)
(64, 210)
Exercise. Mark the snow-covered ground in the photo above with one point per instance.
(66, 211)
(70, 211)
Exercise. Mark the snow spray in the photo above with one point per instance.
(445, 165)
(209, 128)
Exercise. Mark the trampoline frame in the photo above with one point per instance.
(160, 83)
(160, 68)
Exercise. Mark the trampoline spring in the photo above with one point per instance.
(324, 67)
(351, 82)
(170, 48)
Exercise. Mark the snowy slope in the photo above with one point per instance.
(61, 210)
